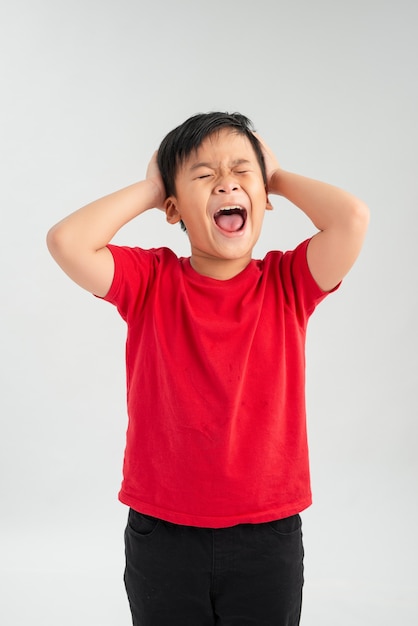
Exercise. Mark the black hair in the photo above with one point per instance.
(178, 145)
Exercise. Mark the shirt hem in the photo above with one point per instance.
(214, 521)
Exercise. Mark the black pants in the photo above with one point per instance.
(246, 575)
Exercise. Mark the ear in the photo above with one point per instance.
(269, 205)
(172, 214)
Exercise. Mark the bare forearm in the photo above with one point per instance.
(340, 218)
(93, 226)
(78, 243)
(325, 205)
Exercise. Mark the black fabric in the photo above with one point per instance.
(246, 575)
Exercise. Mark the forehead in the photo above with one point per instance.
(222, 147)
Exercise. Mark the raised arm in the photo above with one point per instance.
(340, 217)
(78, 242)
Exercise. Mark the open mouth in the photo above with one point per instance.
(231, 219)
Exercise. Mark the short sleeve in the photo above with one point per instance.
(300, 288)
(134, 271)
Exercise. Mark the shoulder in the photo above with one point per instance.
(131, 257)
(136, 269)
(290, 273)
(291, 261)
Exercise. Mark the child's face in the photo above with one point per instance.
(221, 198)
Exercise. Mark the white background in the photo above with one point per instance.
(88, 90)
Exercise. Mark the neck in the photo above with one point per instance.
(220, 269)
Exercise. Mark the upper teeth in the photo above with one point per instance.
(229, 208)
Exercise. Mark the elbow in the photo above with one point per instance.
(57, 241)
(356, 217)
(53, 240)
(359, 217)
(363, 212)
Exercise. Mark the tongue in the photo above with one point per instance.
(231, 222)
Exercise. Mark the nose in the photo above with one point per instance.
(226, 185)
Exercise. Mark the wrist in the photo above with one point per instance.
(275, 181)
(155, 194)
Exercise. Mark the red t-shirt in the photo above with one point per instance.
(215, 387)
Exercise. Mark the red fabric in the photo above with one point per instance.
(215, 387)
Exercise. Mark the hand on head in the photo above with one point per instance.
(154, 175)
(270, 160)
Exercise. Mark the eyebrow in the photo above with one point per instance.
(234, 163)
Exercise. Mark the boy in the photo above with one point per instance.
(216, 462)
